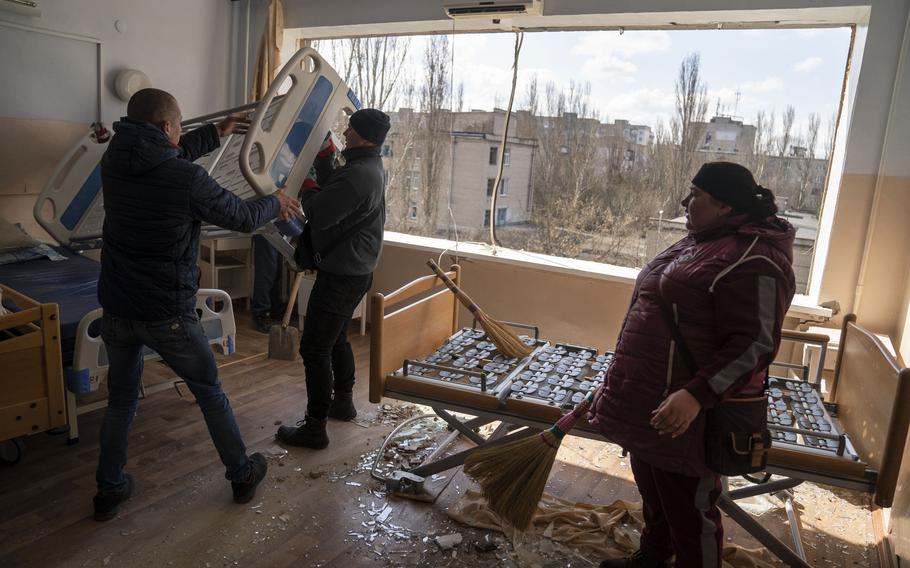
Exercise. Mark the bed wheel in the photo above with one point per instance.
(11, 451)
(72, 441)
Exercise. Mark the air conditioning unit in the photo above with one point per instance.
(458, 9)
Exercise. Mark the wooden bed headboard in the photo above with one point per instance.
(873, 397)
(32, 396)
(413, 331)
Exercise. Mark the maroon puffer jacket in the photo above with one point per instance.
(730, 287)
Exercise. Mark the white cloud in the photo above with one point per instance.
(765, 86)
(808, 65)
(608, 54)
(641, 106)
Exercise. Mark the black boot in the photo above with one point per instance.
(343, 406)
(107, 505)
(638, 559)
(310, 433)
(245, 490)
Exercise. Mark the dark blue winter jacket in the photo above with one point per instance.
(155, 201)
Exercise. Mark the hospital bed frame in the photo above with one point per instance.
(31, 397)
(869, 394)
(90, 356)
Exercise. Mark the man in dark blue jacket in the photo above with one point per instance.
(155, 200)
(346, 219)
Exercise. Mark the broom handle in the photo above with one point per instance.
(567, 422)
(291, 300)
(465, 299)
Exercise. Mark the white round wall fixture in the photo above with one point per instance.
(129, 81)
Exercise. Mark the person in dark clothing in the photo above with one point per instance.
(350, 195)
(265, 302)
(155, 200)
(728, 285)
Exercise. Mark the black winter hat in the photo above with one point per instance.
(371, 124)
(734, 185)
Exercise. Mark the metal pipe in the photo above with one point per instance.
(794, 526)
(246, 56)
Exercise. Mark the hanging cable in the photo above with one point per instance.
(519, 39)
(451, 146)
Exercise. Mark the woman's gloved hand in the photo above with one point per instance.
(676, 413)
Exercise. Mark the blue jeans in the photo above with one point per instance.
(266, 297)
(182, 344)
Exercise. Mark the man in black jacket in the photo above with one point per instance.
(155, 200)
(348, 215)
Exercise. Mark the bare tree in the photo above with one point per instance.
(372, 67)
(687, 125)
(434, 136)
(531, 101)
(459, 97)
(786, 135)
(808, 166)
(762, 146)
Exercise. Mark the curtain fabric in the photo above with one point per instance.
(269, 50)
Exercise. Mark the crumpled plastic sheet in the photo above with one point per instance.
(609, 531)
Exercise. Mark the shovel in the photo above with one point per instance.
(284, 341)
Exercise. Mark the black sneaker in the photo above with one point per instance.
(244, 491)
(262, 323)
(107, 505)
(342, 407)
(310, 433)
(637, 559)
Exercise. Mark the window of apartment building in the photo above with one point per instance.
(502, 214)
(412, 212)
(503, 187)
(589, 198)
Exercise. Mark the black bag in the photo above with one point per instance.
(736, 430)
(308, 258)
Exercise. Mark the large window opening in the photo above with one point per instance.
(607, 129)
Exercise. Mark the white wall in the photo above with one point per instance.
(183, 47)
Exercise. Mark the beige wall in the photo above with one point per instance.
(568, 308)
(471, 171)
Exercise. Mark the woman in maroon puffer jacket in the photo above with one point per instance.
(728, 284)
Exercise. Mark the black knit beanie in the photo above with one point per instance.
(734, 185)
(371, 124)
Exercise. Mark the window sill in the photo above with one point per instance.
(802, 307)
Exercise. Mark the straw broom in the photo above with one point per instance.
(512, 475)
(504, 340)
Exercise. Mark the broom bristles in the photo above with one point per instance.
(512, 476)
(507, 342)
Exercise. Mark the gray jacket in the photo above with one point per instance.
(349, 195)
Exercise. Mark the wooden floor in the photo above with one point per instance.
(311, 511)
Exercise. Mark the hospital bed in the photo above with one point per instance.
(419, 354)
